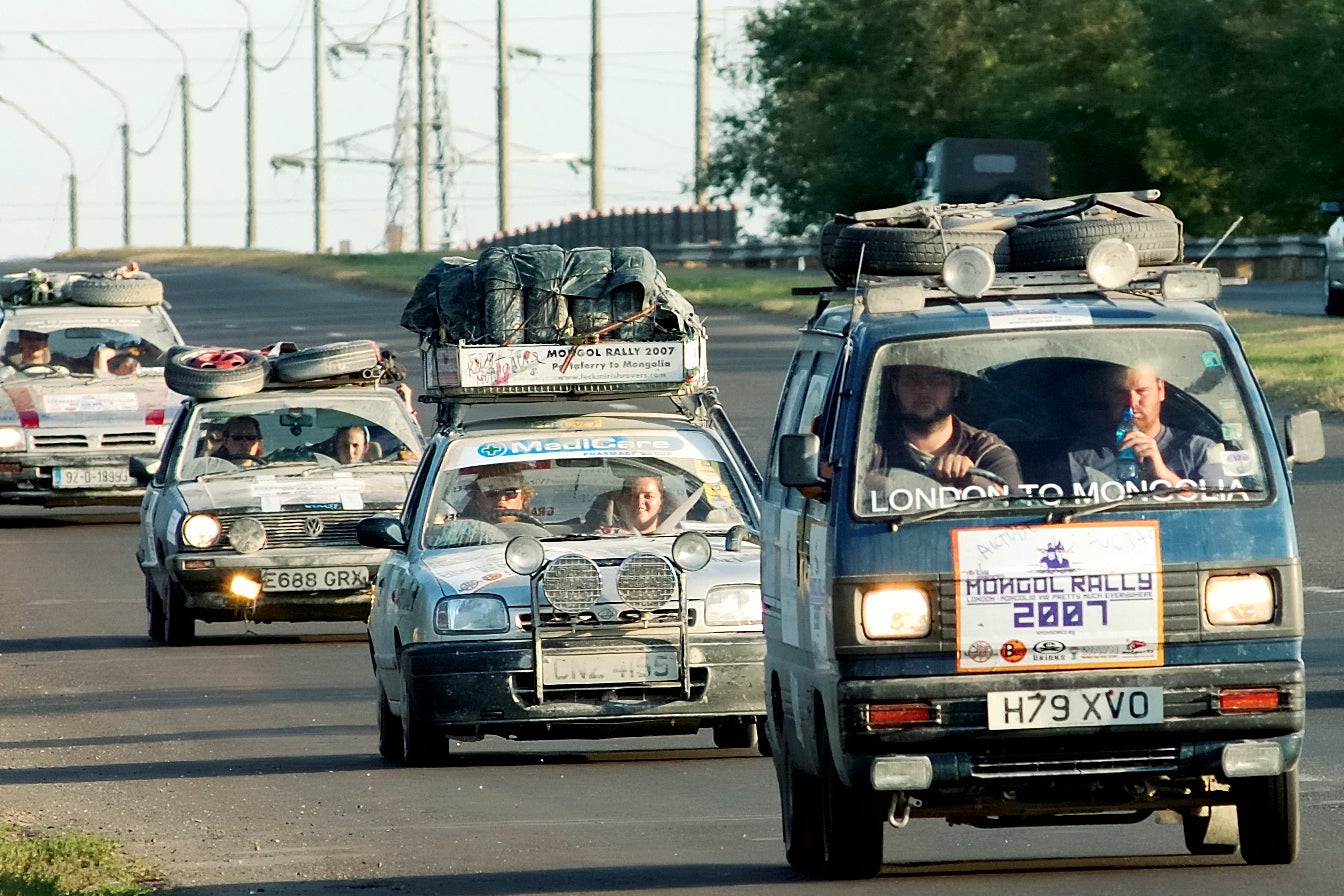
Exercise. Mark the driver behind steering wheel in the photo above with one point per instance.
(499, 498)
(241, 442)
(925, 436)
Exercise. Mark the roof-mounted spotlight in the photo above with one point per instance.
(1112, 263)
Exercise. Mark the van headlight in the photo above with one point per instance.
(896, 611)
(480, 613)
(1239, 600)
(11, 437)
(733, 605)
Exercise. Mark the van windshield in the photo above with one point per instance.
(1047, 415)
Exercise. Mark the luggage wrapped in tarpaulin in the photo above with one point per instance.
(568, 323)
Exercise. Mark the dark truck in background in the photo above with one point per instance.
(975, 169)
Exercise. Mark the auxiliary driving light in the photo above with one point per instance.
(247, 535)
(571, 583)
(246, 588)
(968, 271)
(646, 581)
(691, 551)
(1112, 263)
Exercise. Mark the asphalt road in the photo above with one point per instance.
(248, 763)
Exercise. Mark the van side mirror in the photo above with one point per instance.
(800, 460)
(381, 532)
(1305, 437)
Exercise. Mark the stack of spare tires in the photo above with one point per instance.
(1020, 235)
(127, 287)
(209, 372)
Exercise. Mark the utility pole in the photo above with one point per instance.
(74, 226)
(319, 162)
(502, 114)
(186, 123)
(125, 138)
(250, 127)
(701, 106)
(421, 125)
(595, 151)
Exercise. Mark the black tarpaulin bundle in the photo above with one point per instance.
(546, 294)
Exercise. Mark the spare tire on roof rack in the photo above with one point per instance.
(1063, 245)
(136, 290)
(321, 362)
(890, 251)
(211, 372)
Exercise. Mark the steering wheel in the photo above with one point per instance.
(504, 515)
(41, 369)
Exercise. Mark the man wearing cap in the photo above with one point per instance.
(31, 349)
(499, 497)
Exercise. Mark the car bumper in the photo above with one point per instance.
(205, 581)
(490, 688)
(31, 479)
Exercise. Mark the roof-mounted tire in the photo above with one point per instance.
(207, 372)
(907, 250)
(1063, 245)
(322, 362)
(137, 290)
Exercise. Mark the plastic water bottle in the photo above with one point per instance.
(1126, 461)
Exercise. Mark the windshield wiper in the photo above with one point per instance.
(1081, 510)
(934, 513)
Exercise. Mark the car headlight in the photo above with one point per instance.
(896, 611)
(11, 437)
(200, 530)
(476, 613)
(1239, 600)
(733, 605)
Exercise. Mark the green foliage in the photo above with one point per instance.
(1227, 106)
(67, 864)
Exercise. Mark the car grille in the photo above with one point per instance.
(303, 528)
(82, 441)
(1057, 763)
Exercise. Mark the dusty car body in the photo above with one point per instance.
(272, 537)
(69, 425)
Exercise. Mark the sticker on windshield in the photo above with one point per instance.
(587, 446)
(1023, 318)
(1083, 596)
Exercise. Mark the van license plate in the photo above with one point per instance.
(576, 669)
(322, 578)
(91, 477)
(1074, 708)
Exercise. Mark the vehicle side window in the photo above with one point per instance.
(804, 397)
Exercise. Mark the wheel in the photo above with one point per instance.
(117, 292)
(154, 610)
(800, 812)
(1211, 832)
(826, 243)
(1065, 244)
(736, 734)
(1268, 817)
(389, 730)
(851, 823)
(547, 316)
(909, 250)
(323, 361)
(1334, 302)
(420, 746)
(215, 372)
(179, 627)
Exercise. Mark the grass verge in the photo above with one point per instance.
(34, 863)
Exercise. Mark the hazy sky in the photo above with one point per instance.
(648, 88)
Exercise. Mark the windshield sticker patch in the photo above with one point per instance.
(89, 403)
(1062, 315)
(587, 446)
(1082, 596)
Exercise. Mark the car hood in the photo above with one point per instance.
(301, 488)
(73, 400)
(482, 568)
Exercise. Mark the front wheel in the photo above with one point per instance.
(155, 612)
(389, 730)
(800, 812)
(179, 627)
(420, 744)
(1269, 818)
(851, 824)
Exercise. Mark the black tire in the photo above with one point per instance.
(389, 730)
(420, 745)
(324, 361)
(1064, 245)
(826, 243)
(890, 251)
(1334, 302)
(117, 292)
(800, 812)
(736, 734)
(1211, 834)
(179, 626)
(157, 618)
(1268, 818)
(503, 311)
(547, 317)
(193, 372)
(851, 822)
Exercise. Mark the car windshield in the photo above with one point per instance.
(269, 431)
(105, 343)
(489, 490)
(1057, 400)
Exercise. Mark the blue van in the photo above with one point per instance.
(1029, 558)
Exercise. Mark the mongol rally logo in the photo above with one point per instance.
(602, 445)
